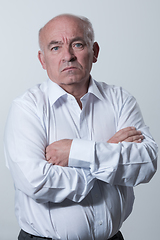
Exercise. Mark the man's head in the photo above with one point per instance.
(83, 21)
(68, 49)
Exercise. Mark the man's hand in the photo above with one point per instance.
(129, 134)
(57, 152)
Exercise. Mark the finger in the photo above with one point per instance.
(126, 130)
(48, 157)
(50, 147)
(138, 141)
(131, 134)
(134, 138)
(128, 136)
(52, 160)
(47, 148)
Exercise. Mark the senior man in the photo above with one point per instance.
(75, 146)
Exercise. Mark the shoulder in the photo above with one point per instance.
(33, 97)
(113, 93)
(33, 102)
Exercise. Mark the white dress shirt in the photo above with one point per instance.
(91, 198)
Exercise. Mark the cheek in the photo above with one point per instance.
(88, 62)
(52, 64)
(84, 59)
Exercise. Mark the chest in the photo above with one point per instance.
(96, 121)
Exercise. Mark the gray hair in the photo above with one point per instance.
(87, 26)
(88, 29)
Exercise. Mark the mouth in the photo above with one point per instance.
(69, 69)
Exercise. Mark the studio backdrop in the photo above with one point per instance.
(128, 32)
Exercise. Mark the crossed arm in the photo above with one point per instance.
(117, 162)
(58, 152)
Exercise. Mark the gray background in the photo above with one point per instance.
(128, 32)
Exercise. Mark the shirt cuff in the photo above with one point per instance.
(81, 153)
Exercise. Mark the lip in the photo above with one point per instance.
(69, 68)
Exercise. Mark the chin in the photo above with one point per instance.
(71, 80)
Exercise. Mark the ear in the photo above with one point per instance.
(42, 59)
(95, 51)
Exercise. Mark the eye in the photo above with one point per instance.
(78, 45)
(55, 48)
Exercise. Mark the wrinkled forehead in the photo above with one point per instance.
(63, 27)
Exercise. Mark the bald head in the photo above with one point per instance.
(82, 23)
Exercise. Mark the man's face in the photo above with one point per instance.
(66, 54)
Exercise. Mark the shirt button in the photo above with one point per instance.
(96, 195)
(100, 223)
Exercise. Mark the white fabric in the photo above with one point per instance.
(92, 197)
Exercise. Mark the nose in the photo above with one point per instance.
(68, 55)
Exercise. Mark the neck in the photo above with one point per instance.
(77, 90)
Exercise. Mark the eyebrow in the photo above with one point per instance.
(54, 42)
(76, 39)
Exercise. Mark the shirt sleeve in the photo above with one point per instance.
(24, 144)
(126, 164)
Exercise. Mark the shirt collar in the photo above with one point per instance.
(93, 89)
(55, 91)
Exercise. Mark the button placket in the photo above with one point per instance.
(75, 111)
(99, 225)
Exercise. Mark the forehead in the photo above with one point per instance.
(63, 28)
